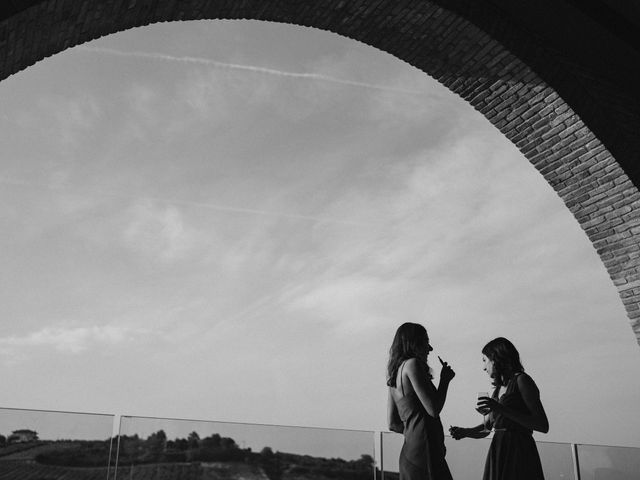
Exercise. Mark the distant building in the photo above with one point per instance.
(22, 436)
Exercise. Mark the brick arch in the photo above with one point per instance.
(559, 112)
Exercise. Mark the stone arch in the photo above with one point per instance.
(575, 120)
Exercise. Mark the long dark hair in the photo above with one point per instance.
(410, 341)
(505, 358)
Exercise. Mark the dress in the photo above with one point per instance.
(513, 454)
(423, 451)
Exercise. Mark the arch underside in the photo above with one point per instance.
(576, 123)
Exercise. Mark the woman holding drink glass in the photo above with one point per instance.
(514, 411)
(415, 404)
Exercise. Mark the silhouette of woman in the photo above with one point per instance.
(514, 415)
(414, 405)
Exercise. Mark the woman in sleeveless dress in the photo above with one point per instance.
(415, 403)
(514, 411)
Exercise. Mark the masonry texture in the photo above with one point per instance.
(553, 77)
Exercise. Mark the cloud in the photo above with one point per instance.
(433, 112)
(65, 120)
(348, 303)
(445, 228)
(207, 94)
(142, 114)
(158, 228)
(70, 340)
(159, 231)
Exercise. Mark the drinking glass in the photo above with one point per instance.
(484, 417)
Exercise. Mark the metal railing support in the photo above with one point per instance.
(118, 419)
(576, 463)
(381, 455)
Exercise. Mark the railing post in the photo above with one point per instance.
(576, 462)
(381, 456)
(113, 425)
(115, 469)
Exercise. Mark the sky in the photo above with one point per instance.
(228, 220)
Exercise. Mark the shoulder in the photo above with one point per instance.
(413, 366)
(526, 383)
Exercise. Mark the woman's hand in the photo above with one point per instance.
(486, 405)
(476, 432)
(458, 433)
(447, 373)
(397, 427)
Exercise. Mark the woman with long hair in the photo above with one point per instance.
(514, 411)
(414, 405)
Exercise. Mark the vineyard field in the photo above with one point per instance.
(30, 470)
(191, 471)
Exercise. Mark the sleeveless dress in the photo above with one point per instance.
(423, 451)
(513, 454)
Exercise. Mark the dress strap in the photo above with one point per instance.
(512, 385)
(401, 384)
(496, 391)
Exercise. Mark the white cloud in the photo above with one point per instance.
(143, 112)
(158, 232)
(70, 340)
(205, 94)
(67, 120)
(395, 107)
(349, 303)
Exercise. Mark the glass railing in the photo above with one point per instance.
(600, 462)
(36, 445)
(560, 461)
(160, 448)
(465, 457)
(557, 460)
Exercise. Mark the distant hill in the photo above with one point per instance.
(158, 458)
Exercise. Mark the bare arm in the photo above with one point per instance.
(427, 394)
(536, 419)
(446, 375)
(393, 417)
(474, 432)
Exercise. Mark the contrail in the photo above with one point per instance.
(254, 69)
(249, 211)
(187, 203)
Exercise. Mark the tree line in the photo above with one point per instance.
(157, 448)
